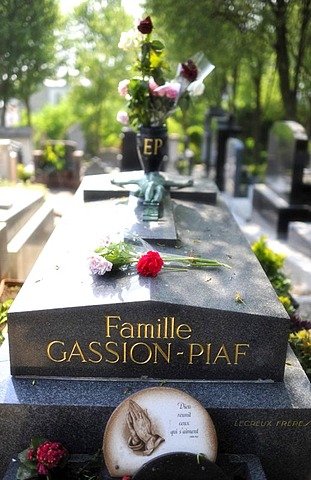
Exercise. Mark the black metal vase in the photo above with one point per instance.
(152, 148)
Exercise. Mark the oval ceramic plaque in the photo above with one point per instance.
(153, 422)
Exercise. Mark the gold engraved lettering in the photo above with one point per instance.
(100, 357)
(192, 352)
(113, 352)
(76, 352)
(166, 356)
(49, 353)
(109, 325)
(144, 327)
(222, 353)
(237, 352)
(157, 144)
(208, 353)
(183, 331)
(151, 147)
(148, 349)
(127, 327)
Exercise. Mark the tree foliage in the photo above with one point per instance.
(256, 36)
(27, 47)
(96, 28)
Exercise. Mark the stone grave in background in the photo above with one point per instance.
(220, 126)
(69, 175)
(217, 334)
(10, 156)
(26, 223)
(22, 136)
(286, 195)
(235, 177)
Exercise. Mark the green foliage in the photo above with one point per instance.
(300, 338)
(22, 173)
(27, 47)
(270, 261)
(4, 308)
(301, 344)
(53, 157)
(95, 29)
(53, 121)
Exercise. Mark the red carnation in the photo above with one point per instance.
(189, 70)
(50, 454)
(150, 264)
(145, 26)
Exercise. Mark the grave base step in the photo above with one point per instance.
(266, 419)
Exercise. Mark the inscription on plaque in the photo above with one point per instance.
(153, 422)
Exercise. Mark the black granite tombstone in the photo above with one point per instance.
(286, 196)
(240, 369)
(235, 175)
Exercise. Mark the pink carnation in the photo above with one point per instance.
(99, 265)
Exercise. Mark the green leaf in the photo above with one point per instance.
(157, 45)
(36, 441)
(24, 472)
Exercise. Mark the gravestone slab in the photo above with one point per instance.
(286, 197)
(269, 420)
(287, 161)
(179, 325)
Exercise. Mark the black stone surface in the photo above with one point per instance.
(269, 420)
(99, 187)
(180, 466)
(234, 467)
(221, 339)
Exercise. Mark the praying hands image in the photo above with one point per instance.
(141, 437)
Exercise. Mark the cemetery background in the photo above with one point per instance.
(239, 208)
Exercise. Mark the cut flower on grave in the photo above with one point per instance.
(41, 459)
(133, 251)
(152, 95)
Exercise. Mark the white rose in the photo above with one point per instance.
(128, 40)
(196, 88)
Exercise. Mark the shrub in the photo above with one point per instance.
(300, 336)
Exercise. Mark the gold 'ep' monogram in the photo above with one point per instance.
(152, 145)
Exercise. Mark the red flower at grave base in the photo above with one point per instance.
(145, 26)
(50, 454)
(126, 477)
(31, 454)
(150, 264)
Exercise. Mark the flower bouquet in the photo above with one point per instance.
(51, 460)
(151, 99)
(132, 251)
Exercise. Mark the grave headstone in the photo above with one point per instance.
(287, 162)
(236, 182)
(23, 137)
(286, 196)
(9, 159)
(129, 155)
(219, 335)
